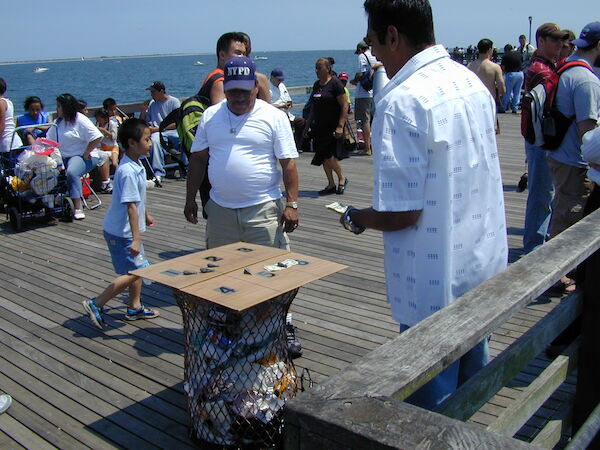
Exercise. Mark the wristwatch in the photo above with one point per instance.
(291, 205)
(349, 225)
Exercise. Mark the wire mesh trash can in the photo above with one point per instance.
(237, 370)
(238, 374)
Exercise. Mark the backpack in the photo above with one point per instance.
(542, 124)
(186, 119)
(367, 79)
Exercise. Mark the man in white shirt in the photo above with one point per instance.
(159, 108)
(437, 187)
(246, 138)
(363, 99)
(281, 99)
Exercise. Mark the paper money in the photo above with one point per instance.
(337, 207)
(281, 265)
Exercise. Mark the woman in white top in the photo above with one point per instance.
(77, 136)
(7, 122)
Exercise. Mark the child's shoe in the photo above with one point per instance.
(94, 312)
(142, 313)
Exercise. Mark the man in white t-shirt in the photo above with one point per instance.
(437, 187)
(159, 107)
(246, 138)
(363, 99)
(281, 99)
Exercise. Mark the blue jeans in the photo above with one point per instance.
(76, 167)
(514, 82)
(157, 154)
(539, 199)
(446, 382)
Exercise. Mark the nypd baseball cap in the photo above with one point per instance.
(589, 35)
(240, 73)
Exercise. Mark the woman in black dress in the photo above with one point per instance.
(326, 122)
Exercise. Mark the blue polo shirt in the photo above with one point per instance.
(129, 185)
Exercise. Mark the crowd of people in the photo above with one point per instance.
(438, 193)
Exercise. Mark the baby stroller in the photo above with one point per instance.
(33, 183)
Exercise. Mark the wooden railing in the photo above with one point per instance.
(362, 407)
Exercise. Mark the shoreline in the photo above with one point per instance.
(155, 55)
(100, 58)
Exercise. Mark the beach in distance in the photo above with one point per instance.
(125, 78)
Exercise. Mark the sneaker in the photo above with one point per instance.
(106, 187)
(94, 313)
(142, 313)
(293, 345)
(5, 402)
(78, 214)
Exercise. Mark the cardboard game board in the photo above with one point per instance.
(239, 275)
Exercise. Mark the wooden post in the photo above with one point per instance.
(587, 395)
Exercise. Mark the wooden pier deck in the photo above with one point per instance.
(75, 387)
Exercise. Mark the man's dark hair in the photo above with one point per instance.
(484, 46)
(31, 100)
(522, 37)
(69, 105)
(508, 48)
(412, 18)
(81, 105)
(131, 129)
(108, 102)
(2, 86)
(226, 39)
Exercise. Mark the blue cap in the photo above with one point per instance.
(277, 73)
(240, 73)
(589, 35)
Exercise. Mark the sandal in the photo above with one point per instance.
(341, 187)
(142, 313)
(564, 286)
(78, 214)
(328, 190)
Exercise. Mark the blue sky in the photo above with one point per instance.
(75, 28)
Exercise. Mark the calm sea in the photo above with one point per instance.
(125, 79)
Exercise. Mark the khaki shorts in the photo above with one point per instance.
(362, 109)
(258, 224)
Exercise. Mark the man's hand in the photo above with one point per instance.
(289, 219)
(190, 211)
(149, 220)
(339, 132)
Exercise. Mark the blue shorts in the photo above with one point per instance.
(122, 259)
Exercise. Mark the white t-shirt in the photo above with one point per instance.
(7, 140)
(243, 169)
(590, 149)
(112, 127)
(280, 96)
(435, 150)
(365, 62)
(129, 186)
(73, 137)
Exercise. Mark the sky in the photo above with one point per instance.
(76, 28)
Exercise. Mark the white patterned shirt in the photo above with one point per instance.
(435, 150)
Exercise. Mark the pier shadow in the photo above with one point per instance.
(158, 421)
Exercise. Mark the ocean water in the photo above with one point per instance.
(125, 79)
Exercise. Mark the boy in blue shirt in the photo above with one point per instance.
(125, 221)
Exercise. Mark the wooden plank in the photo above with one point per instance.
(558, 425)
(509, 422)
(22, 435)
(478, 390)
(379, 423)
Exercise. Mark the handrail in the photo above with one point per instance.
(399, 367)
